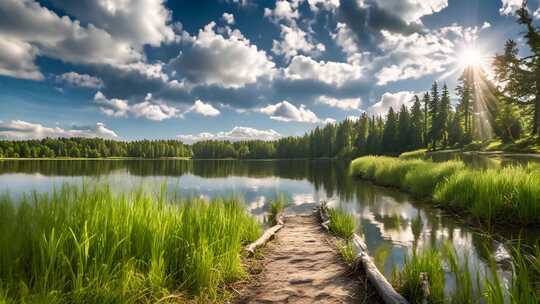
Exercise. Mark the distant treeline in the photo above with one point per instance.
(92, 148)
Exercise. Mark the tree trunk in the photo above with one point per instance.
(536, 118)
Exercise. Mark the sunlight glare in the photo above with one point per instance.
(471, 57)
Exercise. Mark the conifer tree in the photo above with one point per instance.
(417, 124)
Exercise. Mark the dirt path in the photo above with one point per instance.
(302, 266)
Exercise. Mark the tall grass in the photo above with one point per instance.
(408, 279)
(88, 245)
(342, 223)
(420, 153)
(508, 195)
(522, 287)
(276, 207)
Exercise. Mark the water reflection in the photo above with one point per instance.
(391, 223)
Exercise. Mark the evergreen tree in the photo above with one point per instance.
(443, 115)
(433, 108)
(426, 101)
(417, 124)
(362, 131)
(389, 138)
(465, 93)
(404, 138)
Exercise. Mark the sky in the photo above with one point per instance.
(230, 69)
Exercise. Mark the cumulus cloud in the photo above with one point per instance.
(81, 80)
(285, 111)
(329, 72)
(342, 103)
(19, 129)
(417, 55)
(17, 59)
(228, 60)
(138, 22)
(149, 108)
(204, 109)
(315, 5)
(236, 134)
(392, 100)
(509, 7)
(294, 41)
(26, 21)
(228, 18)
(284, 10)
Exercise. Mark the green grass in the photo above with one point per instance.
(276, 207)
(346, 251)
(420, 153)
(88, 245)
(408, 281)
(342, 223)
(509, 195)
(521, 288)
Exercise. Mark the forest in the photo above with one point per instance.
(504, 108)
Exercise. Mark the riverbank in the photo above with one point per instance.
(495, 197)
(89, 245)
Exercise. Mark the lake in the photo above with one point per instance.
(385, 215)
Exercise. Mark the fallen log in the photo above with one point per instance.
(385, 290)
(267, 235)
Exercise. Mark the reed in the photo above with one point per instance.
(346, 251)
(508, 195)
(276, 207)
(342, 223)
(88, 245)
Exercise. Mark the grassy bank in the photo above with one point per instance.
(88, 245)
(442, 264)
(342, 223)
(506, 196)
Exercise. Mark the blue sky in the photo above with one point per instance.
(229, 69)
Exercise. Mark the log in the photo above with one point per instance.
(267, 235)
(385, 290)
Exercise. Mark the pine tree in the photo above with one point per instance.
(417, 124)
(464, 109)
(389, 138)
(443, 115)
(433, 108)
(362, 131)
(404, 140)
(426, 101)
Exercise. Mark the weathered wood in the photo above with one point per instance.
(267, 235)
(385, 290)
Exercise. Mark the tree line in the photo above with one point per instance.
(92, 148)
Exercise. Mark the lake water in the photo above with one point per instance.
(386, 216)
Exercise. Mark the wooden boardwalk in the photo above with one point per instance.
(301, 265)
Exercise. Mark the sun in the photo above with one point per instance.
(471, 57)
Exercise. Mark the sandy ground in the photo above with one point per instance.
(301, 265)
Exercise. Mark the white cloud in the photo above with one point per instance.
(294, 41)
(394, 100)
(509, 7)
(236, 134)
(330, 72)
(284, 10)
(342, 103)
(19, 129)
(204, 109)
(315, 5)
(17, 59)
(344, 38)
(228, 18)
(26, 22)
(227, 60)
(81, 80)
(149, 108)
(285, 111)
(412, 10)
(137, 22)
(154, 110)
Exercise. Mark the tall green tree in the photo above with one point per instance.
(404, 138)
(417, 124)
(426, 102)
(433, 108)
(465, 105)
(443, 115)
(390, 133)
(521, 76)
